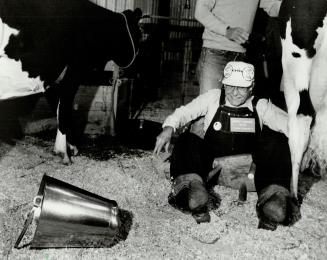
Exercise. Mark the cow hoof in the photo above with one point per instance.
(55, 152)
(66, 160)
(316, 165)
(73, 150)
(305, 164)
(294, 211)
(315, 169)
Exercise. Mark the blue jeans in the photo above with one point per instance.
(210, 67)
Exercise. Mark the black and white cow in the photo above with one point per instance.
(303, 27)
(43, 42)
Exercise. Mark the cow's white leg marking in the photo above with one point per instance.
(318, 93)
(317, 150)
(60, 146)
(296, 78)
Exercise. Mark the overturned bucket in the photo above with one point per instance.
(68, 216)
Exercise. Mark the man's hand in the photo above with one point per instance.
(163, 139)
(237, 35)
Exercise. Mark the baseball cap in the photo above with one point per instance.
(239, 74)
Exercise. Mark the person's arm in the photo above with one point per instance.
(181, 116)
(196, 108)
(163, 140)
(204, 15)
(272, 116)
(214, 24)
(271, 7)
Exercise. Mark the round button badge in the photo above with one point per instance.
(217, 126)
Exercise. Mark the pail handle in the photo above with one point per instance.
(37, 202)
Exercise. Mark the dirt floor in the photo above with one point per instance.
(151, 228)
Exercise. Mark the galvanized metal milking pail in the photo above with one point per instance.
(68, 216)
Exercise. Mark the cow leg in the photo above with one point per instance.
(317, 150)
(63, 145)
(296, 78)
(299, 128)
(52, 97)
(299, 131)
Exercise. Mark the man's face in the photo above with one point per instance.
(237, 96)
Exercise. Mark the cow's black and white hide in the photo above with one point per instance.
(303, 28)
(43, 42)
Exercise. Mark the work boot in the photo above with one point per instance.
(201, 215)
(197, 201)
(272, 206)
(267, 224)
(274, 212)
(197, 196)
(179, 201)
(179, 197)
(275, 208)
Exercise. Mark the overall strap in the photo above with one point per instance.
(222, 100)
(254, 105)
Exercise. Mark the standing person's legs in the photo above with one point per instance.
(210, 67)
(272, 180)
(189, 167)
